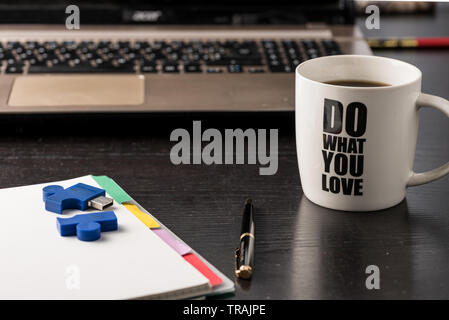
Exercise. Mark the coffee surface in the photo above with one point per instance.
(357, 83)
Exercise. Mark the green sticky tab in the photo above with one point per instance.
(112, 188)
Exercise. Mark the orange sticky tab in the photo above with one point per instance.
(142, 216)
(201, 267)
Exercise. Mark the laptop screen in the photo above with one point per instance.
(178, 11)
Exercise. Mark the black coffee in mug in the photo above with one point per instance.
(357, 83)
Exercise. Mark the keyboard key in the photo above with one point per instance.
(123, 44)
(103, 44)
(313, 55)
(247, 62)
(280, 68)
(240, 61)
(6, 55)
(234, 68)
(148, 67)
(274, 63)
(295, 61)
(192, 68)
(14, 68)
(311, 49)
(214, 70)
(170, 68)
(289, 68)
(12, 45)
(31, 44)
(331, 47)
(269, 44)
(309, 43)
(256, 70)
(82, 68)
(222, 62)
(244, 51)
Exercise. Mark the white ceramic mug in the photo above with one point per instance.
(356, 145)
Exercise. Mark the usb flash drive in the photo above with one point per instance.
(79, 196)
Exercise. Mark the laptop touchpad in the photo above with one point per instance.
(77, 90)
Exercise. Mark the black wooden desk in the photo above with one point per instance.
(303, 251)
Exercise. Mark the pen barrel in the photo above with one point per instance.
(245, 254)
(247, 237)
(248, 219)
(246, 257)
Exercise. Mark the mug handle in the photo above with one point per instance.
(424, 177)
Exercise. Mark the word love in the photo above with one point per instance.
(343, 156)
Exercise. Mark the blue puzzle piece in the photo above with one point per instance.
(87, 227)
(49, 190)
(75, 197)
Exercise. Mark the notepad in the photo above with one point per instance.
(134, 262)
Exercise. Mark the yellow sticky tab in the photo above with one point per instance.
(142, 216)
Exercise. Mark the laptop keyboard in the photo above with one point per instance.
(161, 56)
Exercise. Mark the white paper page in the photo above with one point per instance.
(37, 263)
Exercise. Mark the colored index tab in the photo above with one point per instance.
(176, 245)
(203, 268)
(142, 216)
(112, 188)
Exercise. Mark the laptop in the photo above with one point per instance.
(164, 55)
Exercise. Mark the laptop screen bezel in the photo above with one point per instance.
(179, 12)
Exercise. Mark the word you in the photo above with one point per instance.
(217, 152)
(343, 155)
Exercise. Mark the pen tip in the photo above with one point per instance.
(249, 201)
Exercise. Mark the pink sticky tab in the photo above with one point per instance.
(177, 245)
(205, 270)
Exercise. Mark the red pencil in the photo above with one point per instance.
(433, 42)
(440, 42)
